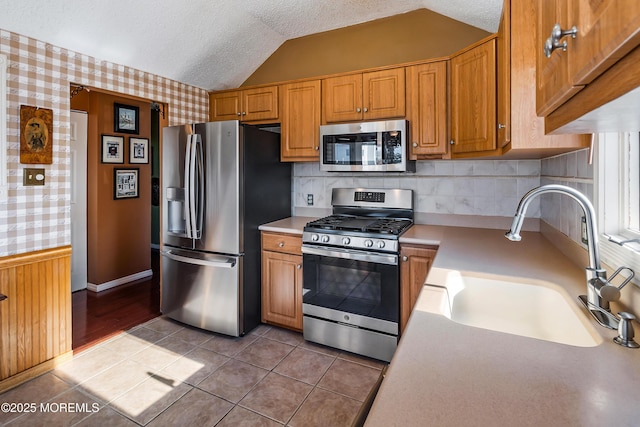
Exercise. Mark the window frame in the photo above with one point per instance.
(616, 187)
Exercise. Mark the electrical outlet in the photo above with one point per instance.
(309, 199)
(583, 230)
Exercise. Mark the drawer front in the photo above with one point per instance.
(285, 243)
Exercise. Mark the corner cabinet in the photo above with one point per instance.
(300, 121)
(427, 109)
(474, 99)
(364, 96)
(415, 264)
(282, 280)
(250, 105)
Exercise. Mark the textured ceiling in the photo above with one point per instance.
(211, 44)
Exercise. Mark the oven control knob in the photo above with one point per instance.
(381, 244)
(325, 239)
(346, 241)
(368, 243)
(315, 237)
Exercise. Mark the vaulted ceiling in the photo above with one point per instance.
(211, 44)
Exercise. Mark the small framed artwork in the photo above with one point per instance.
(112, 149)
(126, 183)
(138, 150)
(36, 135)
(126, 118)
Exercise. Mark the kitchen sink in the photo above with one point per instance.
(519, 306)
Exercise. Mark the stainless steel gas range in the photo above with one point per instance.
(351, 271)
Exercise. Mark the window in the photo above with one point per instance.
(617, 183)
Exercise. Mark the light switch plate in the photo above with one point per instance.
(32, 176)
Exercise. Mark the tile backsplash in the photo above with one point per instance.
(559, 211)
(461, 188)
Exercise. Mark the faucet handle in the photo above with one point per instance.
(625, 331)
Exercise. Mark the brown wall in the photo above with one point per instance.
(119, 231)
(412, 36)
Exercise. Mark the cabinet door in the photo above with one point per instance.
(473, 99)
(416, 262)
(260, 104)
(383, 94)
(427, 108)
(607, 30)
(282, 289)
(300, 121)
(342, 98)
(225, 106)
(554, 82)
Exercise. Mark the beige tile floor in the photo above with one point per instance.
(164, 373)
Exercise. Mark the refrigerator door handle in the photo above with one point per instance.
(187, 189)
(211, 261)
(198, 185)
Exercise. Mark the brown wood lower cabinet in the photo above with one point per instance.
(414, 267)
(282, 280)
(35, 317)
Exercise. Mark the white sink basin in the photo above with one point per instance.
(526, 307)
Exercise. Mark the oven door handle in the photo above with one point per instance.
(350, 254)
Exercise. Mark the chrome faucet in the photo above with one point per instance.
(599, 290)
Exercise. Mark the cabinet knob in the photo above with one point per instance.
(415, 144)
(366, 109)
(244, 113)
(405, 259)
(3, 297)
(281, 244)
(358, 110)
(501, 126)
(553, 42)
(317, 148)
(239, 114)
(452, 142)
(299, 266)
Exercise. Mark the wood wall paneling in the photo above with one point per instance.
(35, 319)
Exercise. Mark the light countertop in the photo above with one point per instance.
(448, 374)
(291, 225)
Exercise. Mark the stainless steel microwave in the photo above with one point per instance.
(367, 147)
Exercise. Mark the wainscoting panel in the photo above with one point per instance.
(35, 318)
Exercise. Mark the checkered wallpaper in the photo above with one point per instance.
(39, 74)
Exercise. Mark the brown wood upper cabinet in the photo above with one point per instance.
(427, 109)
(605, 31)
(364, 96)
(250, 105)
(300, 121)
(473, 99)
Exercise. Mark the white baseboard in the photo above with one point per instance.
(120, 281)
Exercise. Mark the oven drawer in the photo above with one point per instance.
(285, 243)
(360, 341)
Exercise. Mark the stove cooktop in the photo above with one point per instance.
(372, 225)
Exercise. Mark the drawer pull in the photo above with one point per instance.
(553, 42)
(281, 244)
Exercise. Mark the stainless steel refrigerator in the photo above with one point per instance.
(220, 181)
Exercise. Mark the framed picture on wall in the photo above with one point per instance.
(126, 118)
(126, 183)
(138, 150)
(112, 149)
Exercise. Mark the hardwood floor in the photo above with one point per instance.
(98, 316)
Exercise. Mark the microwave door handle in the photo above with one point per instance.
(187, 188)
(198, 210)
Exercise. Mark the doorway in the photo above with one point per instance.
(112, 236)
